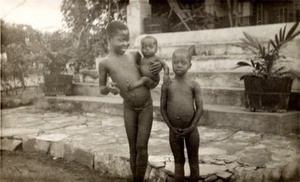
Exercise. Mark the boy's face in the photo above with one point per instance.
(120, 42)
(149, 47)
(181, 63)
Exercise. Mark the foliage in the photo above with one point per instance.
(267, 57)
(87, 19)
(16, 61)
(53, 51)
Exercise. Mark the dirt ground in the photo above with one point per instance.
(18, 166)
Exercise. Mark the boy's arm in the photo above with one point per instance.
(163, 108)
(105, 89)
(199, 108)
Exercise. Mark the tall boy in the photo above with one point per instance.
(138, 108)
(181, 109)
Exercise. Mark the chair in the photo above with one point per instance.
(183, 14)
(197, 15)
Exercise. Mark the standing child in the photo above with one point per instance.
(181, 109)
(150, 80)
(138, 108)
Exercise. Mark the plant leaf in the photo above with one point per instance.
(242, 63)
(295, 35)
(291, 31)
(251, 40)
(283, 34)
(280, 35)
(276, 41)
(281, 68)
(273, 44)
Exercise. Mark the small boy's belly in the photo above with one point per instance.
(137, 97)
(180, 115)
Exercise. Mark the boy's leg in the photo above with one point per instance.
(177, 147)
(192, 145)
(130, 119)
(145, 120)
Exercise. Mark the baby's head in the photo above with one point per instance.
(118, 36)
(181, 61)
(149, 46)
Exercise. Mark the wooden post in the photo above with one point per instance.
(229, 13)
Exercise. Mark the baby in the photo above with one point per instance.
(181, 109)
(149, 48)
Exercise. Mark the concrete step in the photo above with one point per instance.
(210, 95)
(204, 78)
(214, 115)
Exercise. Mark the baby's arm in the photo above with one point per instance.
(105, 89)
(166, 78)
(148, 82)
(163, 108)
(199, 108)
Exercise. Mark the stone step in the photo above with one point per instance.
(204, 78)
(214, 115)
(210, 95)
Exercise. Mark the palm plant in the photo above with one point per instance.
(267, 57)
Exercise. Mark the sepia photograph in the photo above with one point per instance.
(150, 91)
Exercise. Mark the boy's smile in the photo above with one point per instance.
(120, 42)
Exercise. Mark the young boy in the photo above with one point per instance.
(149, 48)
(138, 108)
(181, 109)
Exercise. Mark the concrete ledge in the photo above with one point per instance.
(214, 36)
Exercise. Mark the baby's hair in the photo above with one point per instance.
(182, 50)
(149, 37)
(113, 27)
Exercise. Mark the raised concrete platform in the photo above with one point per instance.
(214, 115)
(91, 138)
(210, 95)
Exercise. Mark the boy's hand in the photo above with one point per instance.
(186, 131)
(175, 130)
(113, 89)
(155, 67)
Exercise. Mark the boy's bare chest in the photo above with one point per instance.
(122, 66)
(180, 89)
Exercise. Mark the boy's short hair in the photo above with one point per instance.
(149, 37)
(183, 50)
(113, 27)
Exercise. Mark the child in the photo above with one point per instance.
(138, 108)
(178, 111)
(149, 48)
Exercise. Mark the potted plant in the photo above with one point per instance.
(268, 88)
(56, 81)
(54, 53)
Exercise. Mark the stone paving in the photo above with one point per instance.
(99, 141)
